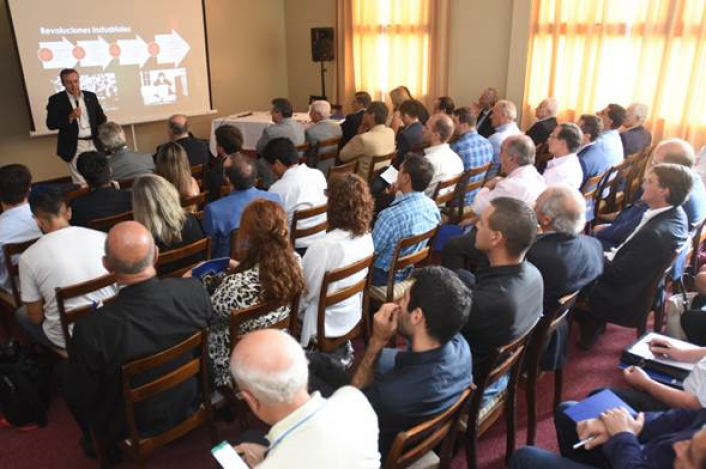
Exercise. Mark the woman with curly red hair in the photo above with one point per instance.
(350, 212)
(271, 271)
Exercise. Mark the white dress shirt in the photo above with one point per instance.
(340, 432)
(447, 164)
(647, 216)
(300, 188)
(523, 183)
(564, 170)
(16, 226)
(335, 250)
(84, 124)
(501, 133)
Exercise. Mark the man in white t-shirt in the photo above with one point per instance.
(299, 186)
(446, 162)
(64, 256)
(340, 432)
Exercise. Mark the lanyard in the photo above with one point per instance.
(291, 429)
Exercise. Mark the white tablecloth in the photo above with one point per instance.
(251, 124)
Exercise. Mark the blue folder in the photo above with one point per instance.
(592, 407)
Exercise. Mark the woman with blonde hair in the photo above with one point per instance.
(156, 205)
(398, 96)
(270, 271)
(172, 163)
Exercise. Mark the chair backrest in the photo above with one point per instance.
(126, 183)
(401, 261)
(302, 149)
(196, 349)
(63, 294)
(610, 195)
(377, 162)
(698, 244)
(240, 316)
(442, 196)
(590, 187)
(237, 252)
(465, 187)
(106, 223)
(198, 200)
(197, 171)
(657, 280)
(542, 156)
(410, 445)
(224, 190)
(73, 194)
(331, 147)
(11, 250)
(328, 299)
(202, 246)
(299, 215)
(637, 173)
(342, 169)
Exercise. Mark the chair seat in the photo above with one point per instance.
(429, 461)
(379, 294)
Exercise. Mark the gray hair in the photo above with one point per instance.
(552, 106)
(272, 387)
(156, 205)
(112, 136)
(640, 110)
(507, 109)
(322, 107)
(565, 206)
(119, 266)
(521, 148)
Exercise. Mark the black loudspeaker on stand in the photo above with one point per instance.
(322, 48)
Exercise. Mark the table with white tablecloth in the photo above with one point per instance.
(251, 124)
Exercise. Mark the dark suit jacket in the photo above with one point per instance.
(99, 203)
(635, 140)
(215, 179)
(540, 131)
(58, 110)
(196, 149)
(349, 127)
(485, 128)
(409, 137)
(620, 295)
(144, 319)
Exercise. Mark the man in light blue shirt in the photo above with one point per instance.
(474, 149)
(503, 119)
(612, 116)
(223, 216)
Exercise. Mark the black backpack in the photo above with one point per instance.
(24, 386)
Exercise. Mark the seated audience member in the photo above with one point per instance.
(64, 256)
(398, 96)
(508, 290)
(483, 109)
(284, 126)
(444, 105)
(675, 438)
(353, 121)
(299, 187)
(270, 369)
(221, 217)
(196, 149)
(503, 120)
(546, 121)
(124, 163)
(410, 136)
(674, 151)
(474, 149)
(523, 182)
(634, 135)
(16, 222)
(323, 129)
(271, 271)
(447, 164)
(104, 200)
(617, 295)
(564, 167)
(348, 240)
(567, 260)
(406, 387)
(593, 155)
(377, 140)
(147, 316)
(173, 165)
(229, 142)
(693, 320)
(156, 206)
(613, 117)
(411, 213)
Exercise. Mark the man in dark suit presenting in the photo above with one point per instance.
(76, 114)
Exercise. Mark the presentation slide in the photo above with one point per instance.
(145, 59)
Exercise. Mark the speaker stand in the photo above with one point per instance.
(323, 80)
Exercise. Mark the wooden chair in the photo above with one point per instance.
(343, 169)
(331, 147)
(105, 224)
(196, 348)
(296, 233)
(69, 317)
(198, 171)
(126, 183)
(202, 246)
(328, 299)
(698, 244)
(377, 162)
(224, 191)
(465, 187)
(542, 156)
(590, 187)
(610, 197)
(541, 336)
(74, 194)
(10, 302)
(417, 444)
(197, 201)
(640, 161)
(403, 259)
(445, 191)
(302, 149)
(506, 359)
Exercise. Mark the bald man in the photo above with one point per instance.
(272, 374)
(147, 316)
(196, 149)
(446, 162)
(546, 121)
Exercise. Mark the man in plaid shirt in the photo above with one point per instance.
(412, 213)
(474, 149)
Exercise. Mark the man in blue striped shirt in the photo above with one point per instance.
(474, 149)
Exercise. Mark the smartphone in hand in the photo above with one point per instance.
(227, 457)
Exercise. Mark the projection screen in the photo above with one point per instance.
(145, 59)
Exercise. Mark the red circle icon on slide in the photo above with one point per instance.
(79, 52)
(153, 49)
(114, 50)
(45, 55)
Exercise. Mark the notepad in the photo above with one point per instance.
(212, 267)
(641, 350)
(389, 175)
(592, 407)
